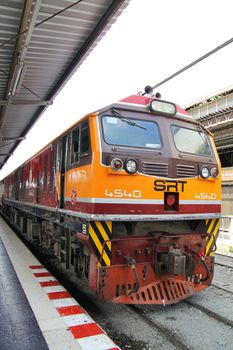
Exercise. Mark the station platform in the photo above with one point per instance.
(37, 313)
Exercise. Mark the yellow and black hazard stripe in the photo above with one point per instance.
(212, 229)
(100, 234)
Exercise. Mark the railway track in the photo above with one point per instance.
(182, 324)
(172, 337)
(223, 276)
(224, 261)
(224, 265)
(173, 328)
(223, 256)
(221, 288)
(210, 313)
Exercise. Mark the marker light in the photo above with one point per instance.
(162, 107)
(204, 172)
(116, 164)
(131, 166)
(214, 172)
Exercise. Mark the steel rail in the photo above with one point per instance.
(224, 265)
(210, 313)
(172, 337)
(221, 288)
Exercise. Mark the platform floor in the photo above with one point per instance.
(36, 312)
(18, 326)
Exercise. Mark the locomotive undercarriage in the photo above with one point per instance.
(154, 267)
(54, 238)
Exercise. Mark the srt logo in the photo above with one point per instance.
(169, 186)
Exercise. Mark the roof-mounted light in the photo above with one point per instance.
(162, 107)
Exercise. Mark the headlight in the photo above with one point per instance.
(204, 172)
(214, 172)
(116, 164)
(131, 166)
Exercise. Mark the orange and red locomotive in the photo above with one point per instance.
(128, 198)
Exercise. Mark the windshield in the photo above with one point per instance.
(131, 132)
(191, 141)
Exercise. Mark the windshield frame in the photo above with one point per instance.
(194, 130)
(135, 121)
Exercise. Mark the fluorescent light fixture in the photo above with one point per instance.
(17, 79)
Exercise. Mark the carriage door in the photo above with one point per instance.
(63, 170)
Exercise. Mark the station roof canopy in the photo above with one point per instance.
(42, 43)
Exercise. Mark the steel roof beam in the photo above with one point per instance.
(28, 20)
(25, 102)
(13, 138)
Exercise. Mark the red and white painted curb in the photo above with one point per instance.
(88, 334)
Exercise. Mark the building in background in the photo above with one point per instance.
(216, 114)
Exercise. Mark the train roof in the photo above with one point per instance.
(141, 103)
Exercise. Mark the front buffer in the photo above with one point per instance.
(159, 269)
(120, 284)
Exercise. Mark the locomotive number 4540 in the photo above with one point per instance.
(204, 195)
(119, 193)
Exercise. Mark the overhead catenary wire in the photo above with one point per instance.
(228, 42)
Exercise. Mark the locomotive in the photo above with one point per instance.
(128, 199)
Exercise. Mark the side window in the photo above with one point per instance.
(75, 146)
(69, 148)
(30, 173)
(84, 144)
(58, 156)
(45, 183)
(79, 144)
(23, 181)
(51, 170)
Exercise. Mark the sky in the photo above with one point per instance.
(150, 41)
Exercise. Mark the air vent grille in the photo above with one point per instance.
(185, 170)
(156, 169)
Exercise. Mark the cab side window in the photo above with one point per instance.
(75, 146)
(79, 145)
(84, 144)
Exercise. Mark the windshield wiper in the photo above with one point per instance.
(128, 121)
